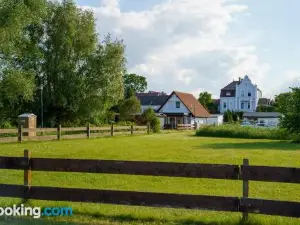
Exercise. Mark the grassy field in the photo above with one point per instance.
(168, 147)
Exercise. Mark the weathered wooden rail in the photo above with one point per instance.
(68, 132)
(242, 204)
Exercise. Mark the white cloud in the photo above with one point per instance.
(184, 45)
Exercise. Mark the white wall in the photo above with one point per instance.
(230, 104)
(269, 121)
(170, 106)
(215, 119)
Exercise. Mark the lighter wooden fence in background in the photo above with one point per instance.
(59, 133)
(243, 172)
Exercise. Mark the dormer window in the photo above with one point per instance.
(228, 93)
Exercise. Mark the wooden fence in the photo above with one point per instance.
(242, 204)
(186, 127)
(19, 135)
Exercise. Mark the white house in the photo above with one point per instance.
(215, 119)
(183, 108)
(269, 118)
(240, 95)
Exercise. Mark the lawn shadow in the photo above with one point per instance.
(119, 219)
(253, 145)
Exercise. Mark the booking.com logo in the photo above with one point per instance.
(35, 212)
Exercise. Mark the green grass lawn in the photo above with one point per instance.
(168, 147)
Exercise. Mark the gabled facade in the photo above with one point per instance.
(240, 95)
(183, 108)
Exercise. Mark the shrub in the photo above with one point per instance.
(236, 131)
(149, 116)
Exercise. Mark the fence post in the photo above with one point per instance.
(20, 133)
(131, 129)
(245, 188)
(148, 128)
(27, 174)
(58, 132)
(112, 130)
(88, 131)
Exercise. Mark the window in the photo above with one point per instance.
(224, 105)
(228, 93)
(242, 105)
(177, 105)
(249, 94)
(248, 105)
(242, 93)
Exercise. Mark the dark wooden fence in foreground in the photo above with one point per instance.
(242, 204)
(17, 135)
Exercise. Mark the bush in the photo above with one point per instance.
(149, 116)
(155, 125)
(236, 131)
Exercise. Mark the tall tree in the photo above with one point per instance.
(55, 46)
(289, 105)
(129, 108)
(134, 83)
(205, 99)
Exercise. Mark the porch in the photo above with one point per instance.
(173, 119)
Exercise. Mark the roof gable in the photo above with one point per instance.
(190, 102)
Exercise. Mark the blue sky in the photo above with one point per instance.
(201, 45)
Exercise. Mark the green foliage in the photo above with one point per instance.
(289, 105)
(55, 45)
(234, 116)
(134, 83)
(205, 99)
(240, 115)
(129, 108)
(236, 131)
(262, 108)
(228, 117)
(149, 116)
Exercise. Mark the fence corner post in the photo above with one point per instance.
(27, 174)
(20, 133)
(88, 130)
(112, 130)
(131, 129)
(245, 188)
(148, 128)
(58, 132)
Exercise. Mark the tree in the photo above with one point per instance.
(134, 83)
(56, 46)
(227, 117)
(234, 116)
(129, 108)
(288, 105)
(205, 99)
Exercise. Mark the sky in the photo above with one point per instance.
(202, 45)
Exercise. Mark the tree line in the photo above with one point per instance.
(53, 63)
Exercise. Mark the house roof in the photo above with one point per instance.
(191, 103)
(152, 99)
(264, 101)
(262, 114)
(231, 86)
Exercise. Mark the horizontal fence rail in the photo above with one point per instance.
(39, 134)
(243, 172)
